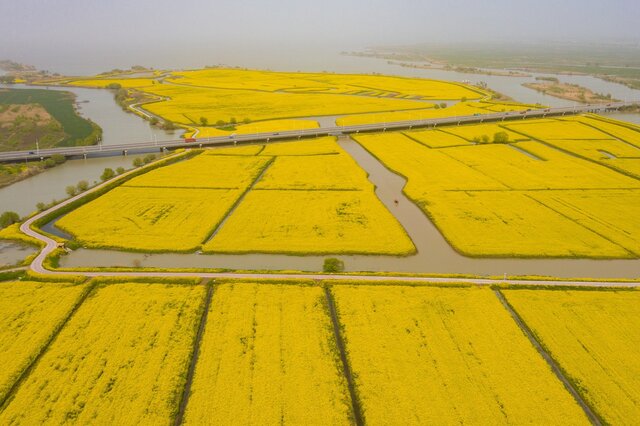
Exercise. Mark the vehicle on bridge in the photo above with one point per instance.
(189, 140)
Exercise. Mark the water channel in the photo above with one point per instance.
(434, 254)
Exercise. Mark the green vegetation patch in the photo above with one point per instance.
(60, 105)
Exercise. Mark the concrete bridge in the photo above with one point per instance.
(131, 148)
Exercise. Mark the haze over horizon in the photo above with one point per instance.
(92, 36)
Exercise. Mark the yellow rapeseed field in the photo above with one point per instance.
(313, 83)
(517, 170)
(425, 355)
(121, 359)
(29, 314)
(104, 82)
(248, 150)
(315, 172)
(477, 131)
(187, 104)
(317, 222)
(322, 145)
(150, 219)
(513, 224)
(436, 138)
(624, 131)
(556, 129)
(204, 171)
(267, 357)
(459, 109)
(491, 200)
(614, 213)
(257, 127)
(594, 336)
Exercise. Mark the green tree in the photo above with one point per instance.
(41, 206)
(168, 125)
(107, 174)
(149, 158)
(233, 120)
(82, 186)
(485, 139)
(114, 86)
(443, 104)
(463, 99)
(71, 190)
(8, 218)
(220, 123)
(120, 170)
(137, 162)
(204, 121)
(246, 120)
(501, 137)
(331, 264)
(49, 163)
(153, 121)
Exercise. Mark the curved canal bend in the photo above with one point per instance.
(434, 255)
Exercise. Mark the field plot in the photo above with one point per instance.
(436, 138)
(311, 83)
(318, 146)
(594, 336)
(624, 131)
(105, 82)
(478, 131)
(267, 357)
(421, 355)
(517, 170)
(614, 213)
(258, 127)
(121, 359)
(459, 109)
(204, 171)
(513, 224)
(548, 130)
(150, 219)
(186, 104)
(316, 172)
(318, 222)
(29, 314)
(515, 200)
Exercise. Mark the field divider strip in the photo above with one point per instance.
(555, 367)
(197, 342)
(239, 201)
(355, 401)
(45, 347)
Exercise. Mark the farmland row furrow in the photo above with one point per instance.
(25, 373)
(355, 402)
(591, 415)
(194, 357)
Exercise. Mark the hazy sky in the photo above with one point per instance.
(52, 32)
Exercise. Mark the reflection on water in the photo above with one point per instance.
(434, 253)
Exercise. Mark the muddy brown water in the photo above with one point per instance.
(434, 254)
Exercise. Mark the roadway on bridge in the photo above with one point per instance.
(96, 150)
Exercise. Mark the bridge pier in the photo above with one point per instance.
(124, 152)
(84, 155)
